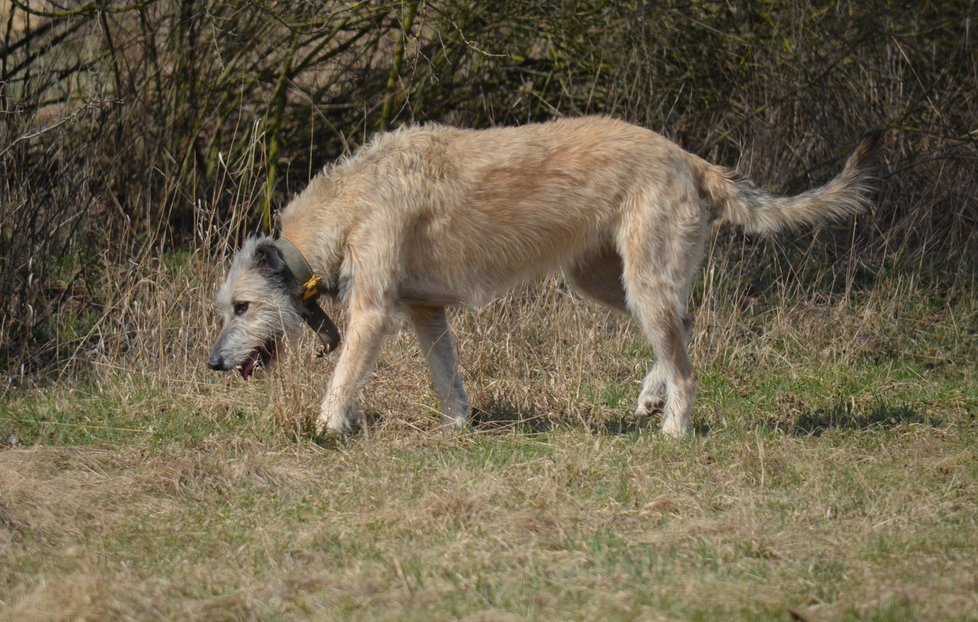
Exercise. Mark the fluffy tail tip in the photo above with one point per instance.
(868, 149)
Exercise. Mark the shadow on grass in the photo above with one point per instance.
(329, 440)
(506, 418)
(840, 416)
(633, 424)
(500, 417)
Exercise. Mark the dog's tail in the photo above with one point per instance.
(737, 199)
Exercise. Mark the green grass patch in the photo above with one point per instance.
(834, 486)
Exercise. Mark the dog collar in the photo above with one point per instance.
(309, 290)
(309, 282)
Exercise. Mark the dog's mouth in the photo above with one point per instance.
(263, 356)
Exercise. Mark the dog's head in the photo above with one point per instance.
(260, 304)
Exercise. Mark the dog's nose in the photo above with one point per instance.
(216, 362)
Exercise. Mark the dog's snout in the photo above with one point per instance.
(216, 362)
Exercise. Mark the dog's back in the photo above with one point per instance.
(478, 210)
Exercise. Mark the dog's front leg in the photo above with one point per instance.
(364, 339)
(435, 339)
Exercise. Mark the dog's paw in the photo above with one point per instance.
(677, 427)
(649, 405)
(337, 426)
(453, 425)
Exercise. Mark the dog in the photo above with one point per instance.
(428, 217)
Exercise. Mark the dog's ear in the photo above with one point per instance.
(270, 261)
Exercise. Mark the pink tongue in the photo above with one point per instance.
(247, 367)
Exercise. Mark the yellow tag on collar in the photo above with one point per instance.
(310, 288)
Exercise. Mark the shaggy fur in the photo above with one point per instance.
(428, 217)
(260, 305)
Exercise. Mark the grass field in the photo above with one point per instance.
(833, 474)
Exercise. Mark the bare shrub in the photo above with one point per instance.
(140, 141)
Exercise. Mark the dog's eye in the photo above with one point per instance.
(240, 308)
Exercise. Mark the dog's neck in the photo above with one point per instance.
(296, 262)
(312, 283)
(319, 220)
(310, 261)
(311, 286)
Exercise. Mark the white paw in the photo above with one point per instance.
(455, 423)
(677, 427)
(650, 404)
(342, 422)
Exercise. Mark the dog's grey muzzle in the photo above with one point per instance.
(216, 361)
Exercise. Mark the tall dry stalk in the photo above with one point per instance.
(130, 133)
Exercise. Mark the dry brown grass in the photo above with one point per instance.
(569, 525)
(832, 475)
(145, 126)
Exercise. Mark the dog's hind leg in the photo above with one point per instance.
(673, 372)
(599, 275)
(435, 338)
(661, 247)
(653, 396)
